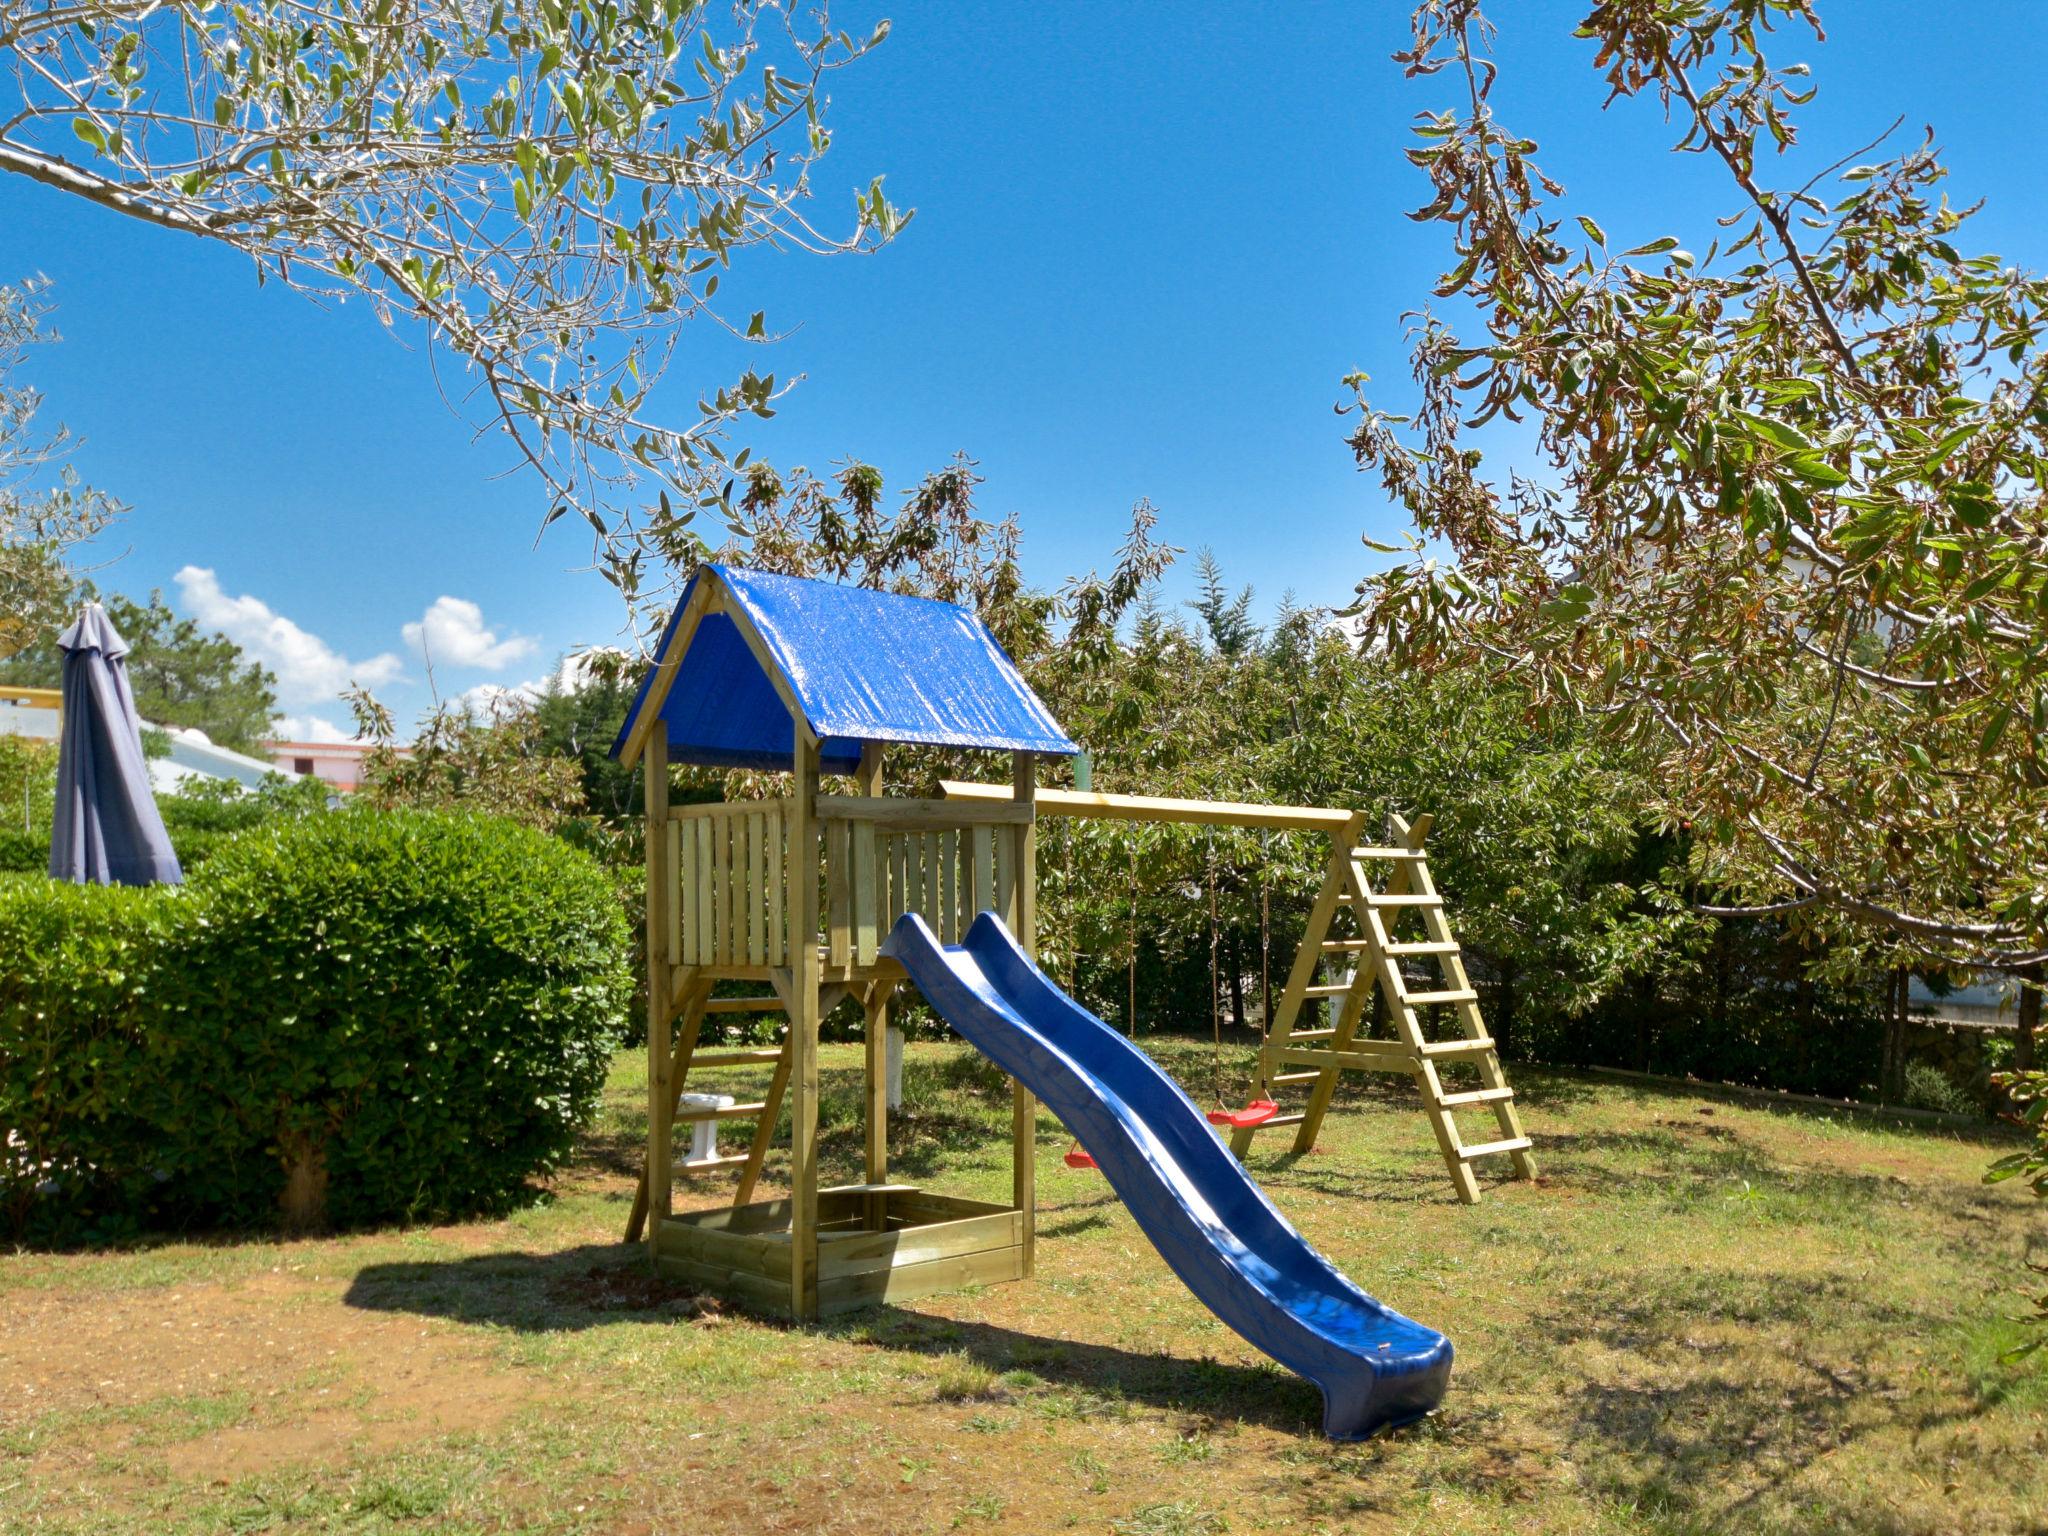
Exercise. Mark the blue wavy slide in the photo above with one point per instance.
(1211, 1223)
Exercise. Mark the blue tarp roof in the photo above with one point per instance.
(862, 665)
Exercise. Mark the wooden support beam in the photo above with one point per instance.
(1023, 1106)
(658, 1170)
(805, 1007)
(1209, 813)
(921, 815)
(691, 990)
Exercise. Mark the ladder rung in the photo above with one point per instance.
(1489, 1148)
(1346, 946)
(1419, 947)
(730, 1112)
(734, 1058)
(744, 1005)
(1476, 1096)
(1388, 853)
(1292, 1077)
(1343, 989)
(1479, 1047)
(1309, 1034)
(706, 1165)
(1456, 995)
(1402, 899)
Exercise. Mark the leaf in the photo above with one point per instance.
(1776, 432)
(1655, 247)
(89, 131)
(1815, 471)
(1593, 231)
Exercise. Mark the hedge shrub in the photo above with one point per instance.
(412, 1013)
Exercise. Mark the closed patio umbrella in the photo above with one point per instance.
(107, 831)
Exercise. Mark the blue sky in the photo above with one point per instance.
(1145, 252)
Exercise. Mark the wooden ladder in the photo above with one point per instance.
(694, 1004)
(1370, 961)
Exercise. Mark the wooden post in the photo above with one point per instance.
(867, 781)
(1023, 1107)
(802, 887)
(660, 996)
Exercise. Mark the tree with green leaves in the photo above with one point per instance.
(45, 511)
(544, 191)
(182, 676)
(1227, 619)
(1787, 530)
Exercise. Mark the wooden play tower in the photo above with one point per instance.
(798, 892)
(773, 673)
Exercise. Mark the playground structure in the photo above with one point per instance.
(828, 897)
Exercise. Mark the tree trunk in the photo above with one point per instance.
(1892, 1068)
(2031, 978)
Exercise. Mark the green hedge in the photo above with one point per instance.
(414, 1012)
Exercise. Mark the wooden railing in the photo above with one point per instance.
(880, 858)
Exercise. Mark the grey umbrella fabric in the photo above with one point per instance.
(108, 831)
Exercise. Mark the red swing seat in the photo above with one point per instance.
(1076, 1158)
(1258, 1112)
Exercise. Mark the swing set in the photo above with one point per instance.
(1377, 913)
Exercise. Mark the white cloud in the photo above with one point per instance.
(309, 670)
(571, 673)
(311, 728)
(452, 633)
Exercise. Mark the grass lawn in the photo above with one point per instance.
(1705, 1318)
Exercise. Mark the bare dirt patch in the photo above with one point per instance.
(297, 1378)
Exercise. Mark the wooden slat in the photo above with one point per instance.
(1490, 1148)
(867, 899)
(778, 905)
(900, 898)
(838, 892)
(1388, 853)
(855, 1253)
(756, 893)
(1476, 1096)
(905, 1282)
(707, 919)
(1454, 995)
(756, 1253)
(1006, 875)
(725, 1112)
(1454, 1048)
(1425, 947)
(764, 1056)
(676, 887)
(949, 886)
(984, 897)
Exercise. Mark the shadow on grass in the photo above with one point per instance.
(1713, 1431)
(602, 1285)
(1094, 1380)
